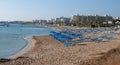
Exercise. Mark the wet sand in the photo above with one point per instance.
(45, 50)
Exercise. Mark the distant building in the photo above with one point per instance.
(76, 18)
(90, 18)
(52, 20)
(57, 20)
(64, 19)
(117, 18)
(60, 19)
(43, 22)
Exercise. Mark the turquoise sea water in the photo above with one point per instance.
(12, 37)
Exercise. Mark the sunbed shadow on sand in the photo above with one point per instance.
(83, 44)
(79, 44)
(105, 41)
(2, 60)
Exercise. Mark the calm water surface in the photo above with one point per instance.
(12, 37)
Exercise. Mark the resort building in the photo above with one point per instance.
(43, 22)
(90, 18)
(62, 19)
(65, 19)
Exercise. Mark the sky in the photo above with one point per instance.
(26, 10)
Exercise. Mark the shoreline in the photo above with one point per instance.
(45, 50)
(48, 51)
(29, 46)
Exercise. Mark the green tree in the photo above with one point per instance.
(113, 21)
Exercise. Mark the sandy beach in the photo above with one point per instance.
(45, 50)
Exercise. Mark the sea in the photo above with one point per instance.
(12, 37)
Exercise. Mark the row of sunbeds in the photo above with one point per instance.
(69, 37)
